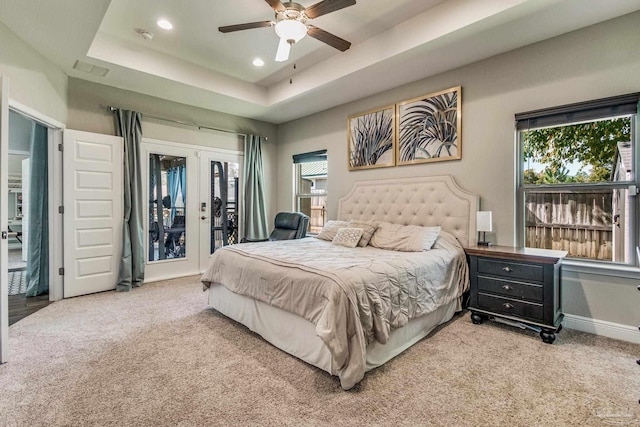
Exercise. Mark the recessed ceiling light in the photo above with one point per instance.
(163, 23)
(258, 62)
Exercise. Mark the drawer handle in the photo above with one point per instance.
(507, 305)
(507, 269)
(507, 287)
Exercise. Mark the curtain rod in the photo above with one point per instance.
(200, 127)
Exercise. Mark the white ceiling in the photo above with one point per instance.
(393, 43)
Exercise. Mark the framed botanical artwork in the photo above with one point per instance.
(429, 128)
(371, 141)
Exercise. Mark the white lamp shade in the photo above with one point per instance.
(484, 221)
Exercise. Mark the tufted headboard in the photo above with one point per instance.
(424, 201)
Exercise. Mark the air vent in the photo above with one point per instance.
(85, 67)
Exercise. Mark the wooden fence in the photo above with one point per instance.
(580, 224)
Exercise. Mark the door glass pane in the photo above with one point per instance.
(167, 207)
(224, 204)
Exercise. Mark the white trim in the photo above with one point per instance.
(172, 276)
(35, 115)
(56, 231)
(600, 268)
(172, 144)
(602, 327)
(4, 219)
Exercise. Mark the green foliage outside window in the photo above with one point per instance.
(593, 145)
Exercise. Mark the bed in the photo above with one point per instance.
(345, 310)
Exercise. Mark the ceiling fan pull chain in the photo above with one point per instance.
(294, 62)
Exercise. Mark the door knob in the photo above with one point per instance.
(203, 217)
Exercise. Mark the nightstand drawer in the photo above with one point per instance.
(510, 307)
(510, 288)
(511, 269)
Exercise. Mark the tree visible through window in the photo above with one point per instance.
(577, 182)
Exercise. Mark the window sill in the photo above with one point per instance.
(611, 270)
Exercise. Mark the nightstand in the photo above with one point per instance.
(516, 286)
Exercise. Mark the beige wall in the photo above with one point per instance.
(88, 103)
(33, 81)
(600, 61)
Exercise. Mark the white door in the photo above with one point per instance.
(220, 202)
(93, 211)
(4, 218)
(170, 177)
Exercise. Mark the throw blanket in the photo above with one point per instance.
(352, 295)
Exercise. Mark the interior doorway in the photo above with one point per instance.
(28, 216)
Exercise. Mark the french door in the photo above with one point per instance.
(191, 206)
(220, 205)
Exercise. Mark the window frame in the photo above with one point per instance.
(298, 159)
(582, 112)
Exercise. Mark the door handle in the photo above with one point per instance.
(203, 217)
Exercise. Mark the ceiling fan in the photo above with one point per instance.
(291, 24)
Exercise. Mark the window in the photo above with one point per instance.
(577, 180)
(310, 187)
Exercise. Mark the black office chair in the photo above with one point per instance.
(288, 226)
(172, 246)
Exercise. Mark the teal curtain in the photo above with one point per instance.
(173, 182)
(255, 211)
(183, 184)
(131, 274)
(37, 274)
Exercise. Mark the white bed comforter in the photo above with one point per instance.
(353, 296)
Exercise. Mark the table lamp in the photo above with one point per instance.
(483, 224)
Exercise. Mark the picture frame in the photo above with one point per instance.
(429, 128)
(371, 139)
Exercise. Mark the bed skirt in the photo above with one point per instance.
(297, 336)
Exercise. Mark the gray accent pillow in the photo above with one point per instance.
(330, 229)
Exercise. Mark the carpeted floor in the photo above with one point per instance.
(157, 356)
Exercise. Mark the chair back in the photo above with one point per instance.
(290, 225)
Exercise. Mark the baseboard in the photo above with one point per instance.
(170, 276)
(602, 327)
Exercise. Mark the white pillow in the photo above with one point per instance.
(429, 237)
(348, 237)
(331, 228)
(397, 237)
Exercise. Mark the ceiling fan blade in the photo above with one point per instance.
(276, 5)
(327, 6)
(247, 26)
(328, 38)
(284, 47)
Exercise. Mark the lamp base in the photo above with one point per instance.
(481, 243)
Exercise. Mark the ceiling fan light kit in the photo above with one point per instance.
(291, 29)
(291, 24)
